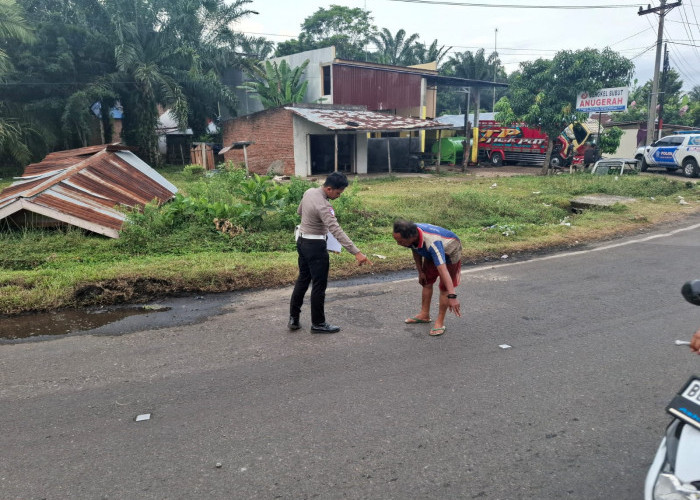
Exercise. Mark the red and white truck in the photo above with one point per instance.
(518, 143)
(524, 145)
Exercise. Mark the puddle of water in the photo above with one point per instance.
(67, 321)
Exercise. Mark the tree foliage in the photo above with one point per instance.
(397, 50)
(348, 29)
(680, 108)
(543, 92)
(13, 28)
(146, 55)
(434, 52)
(14, 131)
(278, 84)
(474, 66)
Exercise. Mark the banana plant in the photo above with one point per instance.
(277, 84)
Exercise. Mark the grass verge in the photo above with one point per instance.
(43, 270)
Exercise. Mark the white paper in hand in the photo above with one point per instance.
(332, 244)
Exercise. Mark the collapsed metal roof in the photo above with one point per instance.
(357, 118)
(82, 187)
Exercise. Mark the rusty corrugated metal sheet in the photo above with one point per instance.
(61, 159)
(85, 185)
(81, 208)
(377, 89)
(369, 121)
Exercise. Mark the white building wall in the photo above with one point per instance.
(628, 144)
(302, 129)
(302, 154)
(361, 145)
(314, 71)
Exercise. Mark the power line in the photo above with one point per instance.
(644, 51)
(686, 24)
(631, 36)
(681, 22)
(692, 7)
(662, 10)
(516, 6)
(689, 29)
(683, 42)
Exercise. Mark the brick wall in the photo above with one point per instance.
(271, 131)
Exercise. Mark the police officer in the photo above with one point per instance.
(318, 219)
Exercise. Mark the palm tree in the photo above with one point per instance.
(259, 47)
(13, 27)
(432, 53)
(694, 93)
(171, 61)
(396, 50)
(476, 66)
(13, 132)
(277, 85)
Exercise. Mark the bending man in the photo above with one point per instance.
(437, 252)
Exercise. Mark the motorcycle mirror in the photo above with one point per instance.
(691, 291)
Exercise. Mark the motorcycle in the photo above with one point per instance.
(675, 471)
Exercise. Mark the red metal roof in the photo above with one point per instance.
(83, 186)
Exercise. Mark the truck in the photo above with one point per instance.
(519, 143)
(577, 144)
(680, 150)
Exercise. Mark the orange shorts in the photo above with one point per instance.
(431, 273)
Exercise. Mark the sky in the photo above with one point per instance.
(520, 30)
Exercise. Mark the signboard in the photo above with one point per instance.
(614, 99)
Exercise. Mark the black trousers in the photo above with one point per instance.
(313, 269)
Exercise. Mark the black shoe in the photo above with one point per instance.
(324, 328)
(293, 323)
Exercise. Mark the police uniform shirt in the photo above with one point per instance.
(318, 218)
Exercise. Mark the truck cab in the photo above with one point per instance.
(576, 144)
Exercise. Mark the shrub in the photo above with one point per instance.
(193, 171)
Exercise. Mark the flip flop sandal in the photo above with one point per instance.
(415, 320)
(434, 332)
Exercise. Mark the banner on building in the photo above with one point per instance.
(614, 99)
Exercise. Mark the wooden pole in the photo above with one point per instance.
(388, 152)
(477, 101)
(439, 158)
(245, 160)
(354, 154)
(336, 151)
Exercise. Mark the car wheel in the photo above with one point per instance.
(555, 161)
(496, 160)
(644, 166)
(639, 159)
(690, 168)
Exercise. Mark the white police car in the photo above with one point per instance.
(680, 150)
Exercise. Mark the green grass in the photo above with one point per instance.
(42, 270)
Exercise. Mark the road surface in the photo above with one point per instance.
(240, 407)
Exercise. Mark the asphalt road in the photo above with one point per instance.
(242, 408)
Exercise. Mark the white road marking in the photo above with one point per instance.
(497, 266)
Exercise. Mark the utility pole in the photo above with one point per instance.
(661, 9)
(495, 65)
(662, 93)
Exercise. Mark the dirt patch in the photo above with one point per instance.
(475, 171)
(505, 171)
